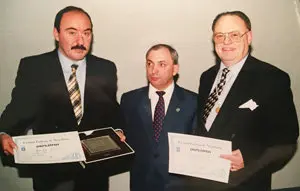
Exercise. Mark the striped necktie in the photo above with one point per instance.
(213, 97)
(74, 93)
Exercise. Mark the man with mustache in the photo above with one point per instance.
(80, 47)
(67, 89)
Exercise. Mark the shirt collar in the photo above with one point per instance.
(235, 68)
(169, 90)
(66, 63)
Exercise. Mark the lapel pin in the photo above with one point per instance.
(218, 109)
(177, 109)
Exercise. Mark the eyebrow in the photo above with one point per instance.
(160, 62)
(148, 60)
(72, 28)
(226, 32)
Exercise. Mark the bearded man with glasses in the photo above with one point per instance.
(248, 102)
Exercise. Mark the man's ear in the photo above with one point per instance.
(56, 34)
(175, 69)
(249, 37)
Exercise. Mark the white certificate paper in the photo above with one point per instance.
(199, 157)
(48, 148)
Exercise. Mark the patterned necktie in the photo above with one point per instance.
(74, 93)
(213, 97)
(159, 115)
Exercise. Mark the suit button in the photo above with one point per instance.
(156, 155)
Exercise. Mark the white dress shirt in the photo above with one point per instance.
(154, 97)
(230, 78)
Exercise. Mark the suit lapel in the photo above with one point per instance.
(91, 85)
(239, 91)
(173, 110)
(211, 79)
(60, 86)
(204, 93)
(171, 117)
(144, 111)
(57, 79)
(89, 68)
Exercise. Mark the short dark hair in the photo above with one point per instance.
(60, 14)
(172, 51)
(239, 14)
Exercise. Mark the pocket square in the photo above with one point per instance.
(249, 104)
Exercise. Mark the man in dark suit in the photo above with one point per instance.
(149, 113)
(248, 102)
(41, 100)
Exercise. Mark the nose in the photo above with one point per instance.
(227, 39)
(154, 69)
(79, 39)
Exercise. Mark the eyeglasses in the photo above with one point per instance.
(234, 36)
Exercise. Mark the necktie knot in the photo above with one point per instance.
(160, 93)
(225, 72)
(74, 67)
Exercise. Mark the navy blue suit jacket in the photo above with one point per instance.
(150, 166)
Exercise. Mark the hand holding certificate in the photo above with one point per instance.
(48, 148)
(199, 157)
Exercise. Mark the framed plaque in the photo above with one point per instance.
(99, 145)
(104, 144)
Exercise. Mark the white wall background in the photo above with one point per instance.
(125, 29)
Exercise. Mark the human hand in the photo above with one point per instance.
(121, 135)
(7, 144)
(236, 158)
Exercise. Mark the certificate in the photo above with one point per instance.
(48, 148)
(199, 157)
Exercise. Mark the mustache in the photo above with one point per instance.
(81, 47)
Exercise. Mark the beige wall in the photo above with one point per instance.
(125, 29)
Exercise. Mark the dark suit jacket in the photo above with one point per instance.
(40, 101)
(259, 134)
(150, 167)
